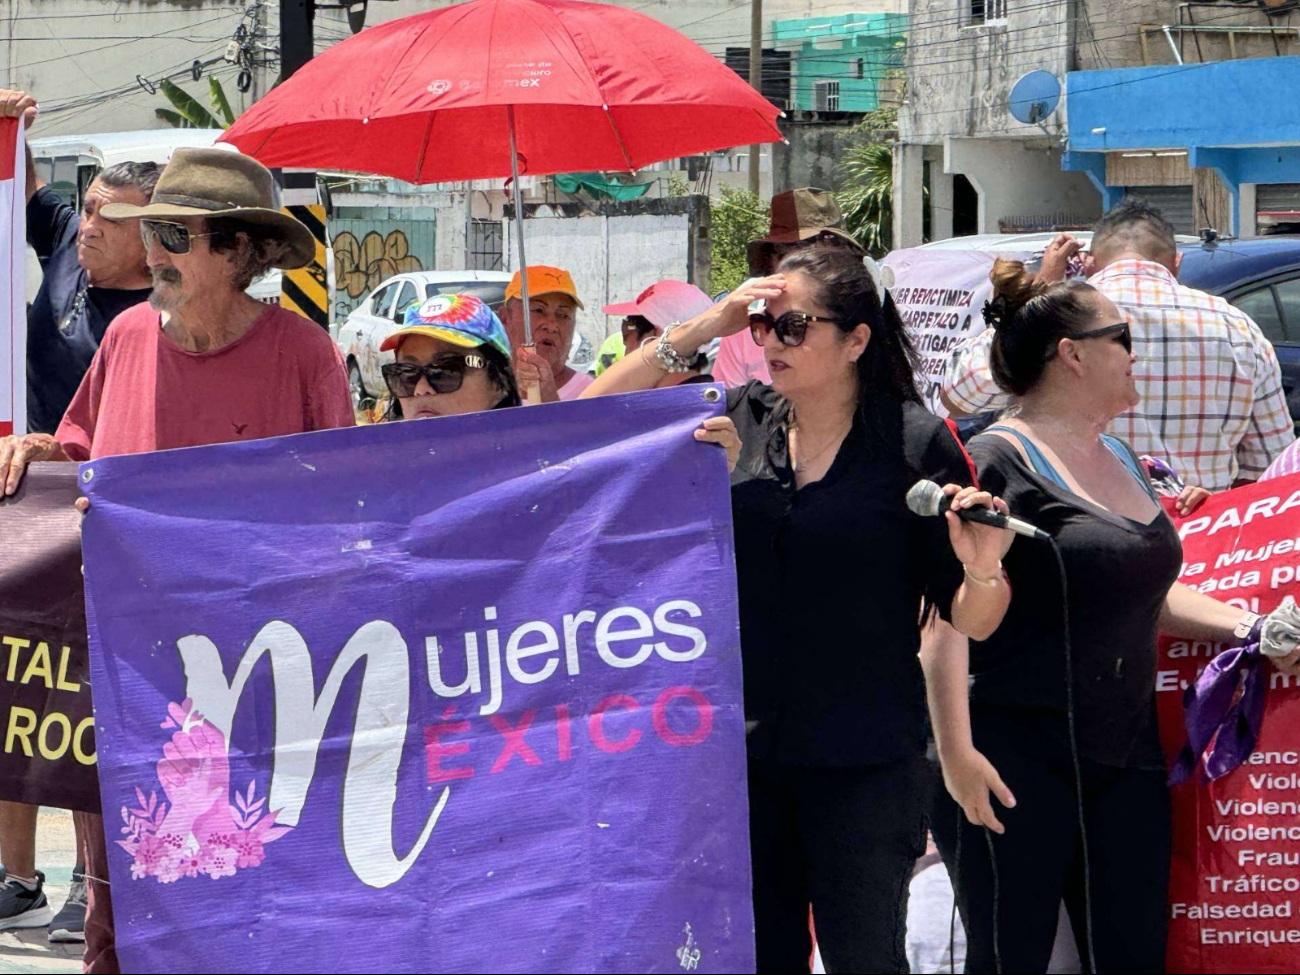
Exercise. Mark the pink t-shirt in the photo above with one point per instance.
(740, 360)
(574, 387)
(144, 393)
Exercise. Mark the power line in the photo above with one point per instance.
(135, 40)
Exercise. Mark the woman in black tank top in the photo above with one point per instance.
(1064, 731)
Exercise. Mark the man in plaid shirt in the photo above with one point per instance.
(1212, 401)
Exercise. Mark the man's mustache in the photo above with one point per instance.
(165, 275)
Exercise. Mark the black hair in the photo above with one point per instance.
(644, 327)
(1031, 319)
(762, 255)
(846, 289)
(1135, 225)
(142, 176)
(499, 374)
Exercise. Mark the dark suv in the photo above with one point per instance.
(1261, 276)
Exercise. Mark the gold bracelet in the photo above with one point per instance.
(991, 583)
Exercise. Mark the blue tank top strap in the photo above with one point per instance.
(1125, 455)
(1036, 459)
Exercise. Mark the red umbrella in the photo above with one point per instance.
(435, 97)
(493, 88)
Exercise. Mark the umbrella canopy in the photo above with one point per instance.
(427, 98)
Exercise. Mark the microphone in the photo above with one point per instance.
(927, 499)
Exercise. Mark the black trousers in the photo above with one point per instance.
(843, 840)
(1038, 861)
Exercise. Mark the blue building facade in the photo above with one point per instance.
(1237, 121)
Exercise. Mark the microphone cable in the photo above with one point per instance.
(1090, 962)
(1089, 952)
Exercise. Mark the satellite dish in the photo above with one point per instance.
(1035, 97)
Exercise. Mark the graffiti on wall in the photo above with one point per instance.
(361, 265)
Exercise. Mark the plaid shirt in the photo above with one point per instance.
(1212, 401)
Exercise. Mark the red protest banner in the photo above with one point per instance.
(1235, 880)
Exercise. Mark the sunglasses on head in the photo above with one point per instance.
(1121, 333)
(444, 374)
(790, 328)
(174, 237)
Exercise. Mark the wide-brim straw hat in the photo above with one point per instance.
(220, 183)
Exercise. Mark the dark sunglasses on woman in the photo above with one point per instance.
(790, 328)
(444, 374)
(175, 238)
(1121, 333)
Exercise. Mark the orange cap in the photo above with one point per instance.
(543, 280)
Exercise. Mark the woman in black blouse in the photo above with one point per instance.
(1064, 733)
(833, 570)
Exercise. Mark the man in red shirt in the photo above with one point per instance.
(202, 363)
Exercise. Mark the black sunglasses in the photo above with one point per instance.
(1122, 333)
(444, 374)
(174, 237)
(790, 328)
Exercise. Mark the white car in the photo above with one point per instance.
(381, 314)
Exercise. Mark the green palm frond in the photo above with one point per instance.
(175, 119)
(220, 104)
(867, 201)
(188, 107)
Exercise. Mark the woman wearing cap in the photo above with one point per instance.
(833, 574)
(553, 305)
(653, 310)
(452, 357)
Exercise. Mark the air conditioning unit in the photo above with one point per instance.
(826, 96)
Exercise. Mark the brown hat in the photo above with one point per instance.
(220, 183)
(801, 215)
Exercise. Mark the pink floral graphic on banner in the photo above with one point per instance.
(195, 830)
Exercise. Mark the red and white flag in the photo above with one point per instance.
(13, 258)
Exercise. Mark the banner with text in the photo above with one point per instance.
(13, 260)
(45, 705)
(1235, 880)
(940, 295)
(451, 696)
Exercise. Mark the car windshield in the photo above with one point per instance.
(491, 293)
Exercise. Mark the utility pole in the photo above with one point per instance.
(296, 45)
(756, 80)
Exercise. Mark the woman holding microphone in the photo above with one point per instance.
(834, 573)
(1059, 721)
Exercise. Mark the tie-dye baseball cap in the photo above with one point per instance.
(459, 319)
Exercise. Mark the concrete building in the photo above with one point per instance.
(1110, 56)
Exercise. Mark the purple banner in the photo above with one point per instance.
(449, 696)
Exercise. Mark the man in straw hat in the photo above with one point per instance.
(800, 218)
(201, 363)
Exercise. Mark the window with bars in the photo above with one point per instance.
(485, 245)
(988, 11)
(826, 96)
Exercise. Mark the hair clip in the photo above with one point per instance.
(992, 315)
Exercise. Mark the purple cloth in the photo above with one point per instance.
(454, 695)
(1222, 724)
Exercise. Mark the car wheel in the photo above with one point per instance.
(361, 399)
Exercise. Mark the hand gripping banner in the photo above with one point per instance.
(448, 696)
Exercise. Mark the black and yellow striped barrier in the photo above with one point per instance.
(305, 290)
